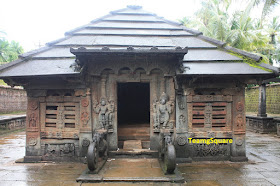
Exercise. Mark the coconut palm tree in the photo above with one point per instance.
(238, 29)
(268, 6)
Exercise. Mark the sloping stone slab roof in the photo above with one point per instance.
(129, 27)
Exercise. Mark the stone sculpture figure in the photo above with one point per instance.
(105, 112)
(162, 110)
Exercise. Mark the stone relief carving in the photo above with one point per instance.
(32, 120)
(208, 115)
(239, 117)
(181, 140)
(84, 118)
(54, 134)
(32, 141)
(181, 103)
(32, 105)
(67, 149)
(211, 134)
(105, 113)
(60, 117)
(203, 150)
(239, 121)
(162, 111)
(239, 141)
(239, 106)
(182, 120)
(85, 102)
(85, 142)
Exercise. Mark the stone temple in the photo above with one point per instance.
(132, 75)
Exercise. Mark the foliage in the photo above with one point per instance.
(268, 6)
(9, 51)
(238, 29)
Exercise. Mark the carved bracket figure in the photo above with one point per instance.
(167, 153)
(97, 151)
(105, 113)
(162, 111)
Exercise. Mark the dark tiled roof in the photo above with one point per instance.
(118, 30)
(221, 68)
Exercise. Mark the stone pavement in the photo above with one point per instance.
(263, 168)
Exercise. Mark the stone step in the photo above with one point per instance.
(145, 144)
(132, 144)
(134, 137)
(133, 153)
(122, 131)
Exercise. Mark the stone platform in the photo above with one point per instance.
(131, 170)
(263, 167)
(260, 124)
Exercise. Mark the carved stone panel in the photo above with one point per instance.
(60, 120)
(32, 115)
(105, 111)
(204, 150)
(62, 150)
(161, 112)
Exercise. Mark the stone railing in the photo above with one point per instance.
(12, 122)
(263, 124)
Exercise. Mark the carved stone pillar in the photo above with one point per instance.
(85, 136)
(154, 134)
(262, 101)
(172, 100)
(112, 104)
(238, 149)
(33, 144)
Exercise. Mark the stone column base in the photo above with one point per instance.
(32, 159)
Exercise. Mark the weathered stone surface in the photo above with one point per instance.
(12, 99)
(260, 124)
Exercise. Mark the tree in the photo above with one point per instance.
(268, 6)
(237, 29)
(9, 51)
(273, 30)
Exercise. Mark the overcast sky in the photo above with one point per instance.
(35, 22)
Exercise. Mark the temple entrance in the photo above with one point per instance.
(133, 115)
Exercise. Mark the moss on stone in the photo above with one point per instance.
(251, 62)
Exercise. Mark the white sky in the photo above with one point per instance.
(31, 22)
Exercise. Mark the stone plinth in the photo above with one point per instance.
(260, 124)
(277, 123)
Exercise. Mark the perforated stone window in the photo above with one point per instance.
(210, 112)
(60, 115)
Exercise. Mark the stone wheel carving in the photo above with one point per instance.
(92, 156)
(169, 159)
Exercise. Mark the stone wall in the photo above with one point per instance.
(272, 98)
(12, 99)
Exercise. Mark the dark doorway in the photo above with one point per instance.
(134, 113)
(133, 103)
